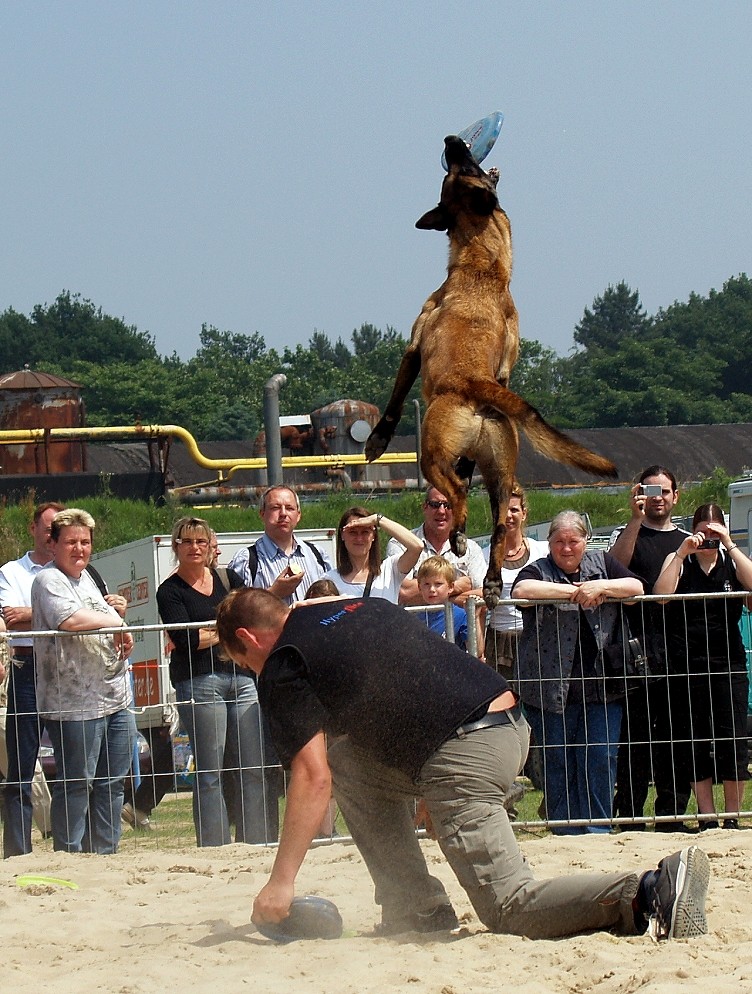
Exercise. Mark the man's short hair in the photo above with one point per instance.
(51, 505)
(71, 517)
(436, 565)
(270, 490)
(247, 607)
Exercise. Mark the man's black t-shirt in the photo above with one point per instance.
(650, 551)
(368, 669)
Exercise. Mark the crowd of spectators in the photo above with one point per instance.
(619, 693)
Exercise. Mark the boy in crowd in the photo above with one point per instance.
(436, 584)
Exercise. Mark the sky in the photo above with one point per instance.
(260, 167)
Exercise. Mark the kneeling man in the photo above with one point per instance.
(419, 718)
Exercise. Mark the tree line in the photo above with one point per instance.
(684, 365)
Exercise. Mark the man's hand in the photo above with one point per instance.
(124, 644)
(637, 503)
(18, 618)
(118, 602)
(272, 903)
(287, 583)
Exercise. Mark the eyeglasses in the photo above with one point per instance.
(436, 504)
(201, 543)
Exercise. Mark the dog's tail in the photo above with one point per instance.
(549, 441)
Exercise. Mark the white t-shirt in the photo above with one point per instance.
(507, 617)
(80, 676)
(386, 585)
(471, 564)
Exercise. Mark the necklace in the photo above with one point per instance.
(516, 552)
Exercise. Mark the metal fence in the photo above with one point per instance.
(621, 748)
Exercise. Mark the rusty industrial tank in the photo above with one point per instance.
(343, 426)
(29, 399)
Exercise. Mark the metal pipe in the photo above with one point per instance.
(271, 426)
(146, 433)
(205, 494)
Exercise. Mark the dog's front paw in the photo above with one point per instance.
(378, 440)
(491, 591)
(458, 543)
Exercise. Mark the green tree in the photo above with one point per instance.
(614, 317)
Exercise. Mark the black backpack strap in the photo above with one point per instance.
(319, 558)
(253, 561)
(97, 578)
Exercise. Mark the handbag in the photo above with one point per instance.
(625, 660)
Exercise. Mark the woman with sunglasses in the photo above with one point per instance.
(217, 702)
(707, 657)
(360, 571)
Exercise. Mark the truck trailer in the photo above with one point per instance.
(134, 571)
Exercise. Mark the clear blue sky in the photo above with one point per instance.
(260, 166)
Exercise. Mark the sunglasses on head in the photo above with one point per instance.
(436, 504)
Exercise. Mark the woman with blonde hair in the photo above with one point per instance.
(217, 701)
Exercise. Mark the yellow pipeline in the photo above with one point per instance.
(24, 436)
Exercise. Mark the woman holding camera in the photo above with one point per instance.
(704, 643)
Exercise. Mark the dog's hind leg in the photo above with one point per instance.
(497, 459)
(464, 469)
(449, 430)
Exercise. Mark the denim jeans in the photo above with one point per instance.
(93, 759)
(22, 739)
(221, 714)
(580, 748)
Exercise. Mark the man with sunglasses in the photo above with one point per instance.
(469, 569)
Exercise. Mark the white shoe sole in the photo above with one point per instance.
(688, 917)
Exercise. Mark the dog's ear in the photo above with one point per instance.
(434, 220)
(483, 201)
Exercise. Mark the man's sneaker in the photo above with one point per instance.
(677, 895)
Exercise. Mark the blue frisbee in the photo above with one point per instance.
(480, 137)
(309, 918)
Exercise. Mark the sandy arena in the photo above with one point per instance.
(169, 921)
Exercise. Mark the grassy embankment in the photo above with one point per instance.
(120, 521)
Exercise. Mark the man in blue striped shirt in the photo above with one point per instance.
(278, 561)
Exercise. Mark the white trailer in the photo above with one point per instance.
(740, 517)
(135, 570)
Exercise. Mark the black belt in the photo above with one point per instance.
(23, 652)
(489, 720)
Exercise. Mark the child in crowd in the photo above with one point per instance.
(435, 584)
(322, 588)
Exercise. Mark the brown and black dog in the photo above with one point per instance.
(464, 344)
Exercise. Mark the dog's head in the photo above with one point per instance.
(467, 190)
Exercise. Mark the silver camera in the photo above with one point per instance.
(651, 489)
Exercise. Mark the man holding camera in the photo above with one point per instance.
(645, 752)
